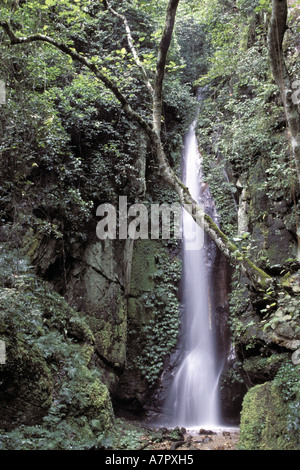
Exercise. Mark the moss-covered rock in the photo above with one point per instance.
(269, 419)
(96, 287)
(26, 385)
(51, 397)
(153, 321)
(261, 369)
(143, 267)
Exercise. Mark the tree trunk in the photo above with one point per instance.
(161, 64)
(278, 27)
(259, 279)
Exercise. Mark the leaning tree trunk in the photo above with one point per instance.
(278, 27)
(259, 279)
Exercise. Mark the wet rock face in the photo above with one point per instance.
(265, 327)
(108, 281)
(151, 311)
(220, 275)
(278, 236)
(231, 391)
(96, 286)
(93, 280)
(270, 218)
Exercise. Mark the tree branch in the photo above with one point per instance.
(84, 61)
(131, 45)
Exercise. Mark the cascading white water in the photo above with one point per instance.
(193, 396)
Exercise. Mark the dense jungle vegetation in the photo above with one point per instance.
(98, 97)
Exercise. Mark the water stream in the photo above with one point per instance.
(193, 397)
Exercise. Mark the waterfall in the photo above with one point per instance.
(193, 398)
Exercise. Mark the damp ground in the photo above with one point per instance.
(179, 438)
(202, 439)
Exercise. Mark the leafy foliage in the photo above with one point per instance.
(46, 337)
(241, 120)
(287, 379)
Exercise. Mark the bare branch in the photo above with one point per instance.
(131, 46)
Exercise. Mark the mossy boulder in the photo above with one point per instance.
(267, 421)
(26, 385)
(52, 396)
